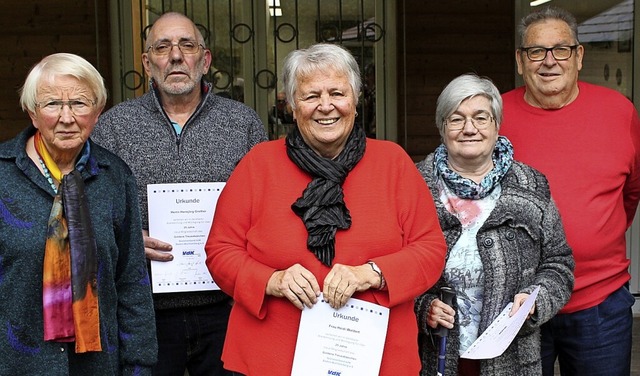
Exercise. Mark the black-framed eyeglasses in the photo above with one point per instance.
(77, 107)
(480, 121)
(538, 53)
(187, 47)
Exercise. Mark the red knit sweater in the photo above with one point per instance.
(590, 152)
(255, 233)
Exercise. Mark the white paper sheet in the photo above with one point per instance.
(344, 342)
(498, 336)
(181, 214)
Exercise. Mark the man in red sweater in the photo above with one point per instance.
(586, 140)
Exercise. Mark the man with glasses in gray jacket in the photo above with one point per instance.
(180, 132)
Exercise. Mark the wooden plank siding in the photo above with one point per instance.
(444, 40)
(33, 29)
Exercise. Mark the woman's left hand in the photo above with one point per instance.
(343, 281)
(518, 301)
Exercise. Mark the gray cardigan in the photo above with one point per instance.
(521, 244)
(214, 139)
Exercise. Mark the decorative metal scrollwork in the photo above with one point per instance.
(136, 75)
(377, 32)
(145, 32)
(221, 79)
(329, 33)
(282, 30)
(206, 34)
(266, 79)
(236, 31)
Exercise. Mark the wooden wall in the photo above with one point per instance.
(439, 40)
(32, 29)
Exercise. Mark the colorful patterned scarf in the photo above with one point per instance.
(467, 188)
(70, 299)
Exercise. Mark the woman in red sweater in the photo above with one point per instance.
(323, 211)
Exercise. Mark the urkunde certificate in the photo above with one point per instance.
(498, 336)
(181, 214)
(345, 342)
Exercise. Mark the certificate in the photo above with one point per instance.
(346, 342)
(498, 336)
(181, 214)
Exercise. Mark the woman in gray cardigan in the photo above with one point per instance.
(503, 233)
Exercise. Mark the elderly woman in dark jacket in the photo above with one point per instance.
(76, 298)
(503, 233)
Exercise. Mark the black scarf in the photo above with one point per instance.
(322, 207)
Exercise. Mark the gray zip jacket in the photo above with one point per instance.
(218, 134)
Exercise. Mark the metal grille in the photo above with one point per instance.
(249, 40)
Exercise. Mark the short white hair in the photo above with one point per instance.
(62, 64)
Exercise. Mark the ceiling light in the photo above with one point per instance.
(274, 8)
(538, 2)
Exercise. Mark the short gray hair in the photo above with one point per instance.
(151, 37)
(544, 14)
(319, 57)
(62, 64)
(464, 87)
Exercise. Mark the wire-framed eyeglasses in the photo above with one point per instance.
(78, 107)
(480, 121)
(187, 47)
(538, 53)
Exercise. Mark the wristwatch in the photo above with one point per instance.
(376, 269)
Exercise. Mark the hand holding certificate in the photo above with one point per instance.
(181, 214)
(498, 336)
(347, 341)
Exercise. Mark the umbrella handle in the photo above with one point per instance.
(447, 294)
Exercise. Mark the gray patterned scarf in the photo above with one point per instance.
(322, 207)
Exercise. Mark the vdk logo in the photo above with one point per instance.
(335, 373)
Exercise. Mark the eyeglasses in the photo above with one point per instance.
(77, 107)
(480, 121)
(187, 47)
(538, 53)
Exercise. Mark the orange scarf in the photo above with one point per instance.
(70, 300)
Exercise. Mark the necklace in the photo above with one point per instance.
(47, 175)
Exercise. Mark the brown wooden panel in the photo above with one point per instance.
(419, 146)
(443, 40)
(34, 14)
(425, 102)
(456, 8)
(465, 25)
(33, 29)
(455, 62)
(41, 45)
